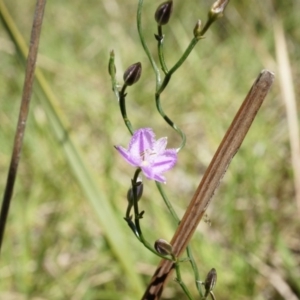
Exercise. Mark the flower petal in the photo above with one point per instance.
(141, 140)
(162, 163)
(165, 161)
(131, 159)
(160, 145)
(148, 172)
(150, 155)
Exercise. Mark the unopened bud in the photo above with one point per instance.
(132, 74)
(163, 247)
(218, 8)
(197, 29)
(139, 191)
(111, 64)
(163, 13)
(210, 281)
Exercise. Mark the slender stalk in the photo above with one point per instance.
(23, 114)
(167, 202)
(188, 248)
(160, 49)
(157, 73)
(146, 49)
(135, 202)
(170, 122)
(212, 296)
(181, 283)
(195, 270)
(164, 84)
(122, 104)
(138, 216)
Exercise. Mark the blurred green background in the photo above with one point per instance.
(66, 237)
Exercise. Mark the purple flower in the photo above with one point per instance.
(148, 154)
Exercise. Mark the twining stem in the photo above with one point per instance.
(157, 73)
(146, 49)
(167, 202)
(168, 75)
(179, 63)
(138, 216)
(195, 270)
(188, 249)
(181, 283)
(170, 122)
(122, 104)
(135, 202)
(160, 50)
(159, 89)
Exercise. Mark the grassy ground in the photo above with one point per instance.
(60, 242)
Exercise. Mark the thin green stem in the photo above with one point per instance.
(135, 202)
(170, 122)
(195, 269)
(128, 210)
(185, 55)
(147, 51)
(138, 216)
(132, 226)
(167, 202)
(207, 25)
(160, 49)
(212, 295)
(122, 104)
(120, 95)
(188, 249)
(164, 85)
(159, 89)
(181, 283)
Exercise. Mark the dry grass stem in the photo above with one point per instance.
(289, 99)
(211, 179)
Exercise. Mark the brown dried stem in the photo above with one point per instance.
(24, 109)
(211, 179)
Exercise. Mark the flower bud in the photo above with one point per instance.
(163, 13)
(197, 29)
(210, 281)
(111, 64)
(163, 247)
(132, 74)
(217, 9)
(139, 191)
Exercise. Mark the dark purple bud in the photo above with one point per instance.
(139, 191)
(210, 281)
(132, 74)
(163, 13)
(163, 247)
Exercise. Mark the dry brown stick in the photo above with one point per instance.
(211, 179)
(24, 109)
